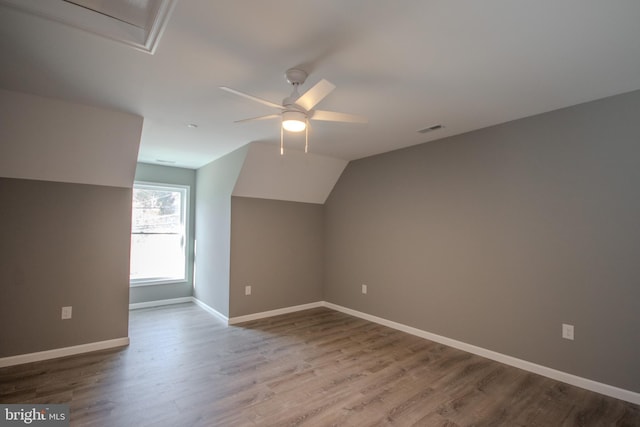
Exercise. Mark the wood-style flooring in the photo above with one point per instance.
(314, 368)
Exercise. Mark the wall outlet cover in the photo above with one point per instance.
(66, 313)
(567, 331)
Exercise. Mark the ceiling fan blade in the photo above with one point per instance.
(333, 116)
(270, 116)
(317, 93)
(253, 98)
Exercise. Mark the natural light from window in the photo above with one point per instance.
(158, 234)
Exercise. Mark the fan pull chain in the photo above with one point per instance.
(281, 141)
(306, 137)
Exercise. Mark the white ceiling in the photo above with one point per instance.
(404, 64)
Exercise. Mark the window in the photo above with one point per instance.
(158, 234)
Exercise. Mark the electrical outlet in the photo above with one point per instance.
(567, 331)
(66, 313)
(247, 290)
(364, 288)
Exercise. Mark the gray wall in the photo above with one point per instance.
(277, 248)
(62, 244)
(214, 185)
(497, 237)
(178, 176)
(65, 221)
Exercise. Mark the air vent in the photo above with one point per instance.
(430, 129)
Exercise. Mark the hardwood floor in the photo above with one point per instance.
(317, 367)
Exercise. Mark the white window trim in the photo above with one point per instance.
(185, 214)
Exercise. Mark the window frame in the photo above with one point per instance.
(184, 214)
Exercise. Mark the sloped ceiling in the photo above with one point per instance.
(296, 176)
(405, 64)
(52, 140)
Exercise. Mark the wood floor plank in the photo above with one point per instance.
(314, 368)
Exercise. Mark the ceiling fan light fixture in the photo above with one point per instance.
(294, 121)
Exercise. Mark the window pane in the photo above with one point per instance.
(156, 256)
(156, 211)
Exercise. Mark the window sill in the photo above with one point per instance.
(157, 282)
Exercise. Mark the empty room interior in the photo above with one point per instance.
(238, 213)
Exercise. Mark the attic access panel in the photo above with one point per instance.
(139, 13)
(136, 23)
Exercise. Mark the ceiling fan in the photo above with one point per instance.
(296, 110)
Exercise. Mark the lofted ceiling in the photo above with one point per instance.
(406, 65)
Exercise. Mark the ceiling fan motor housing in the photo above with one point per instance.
(290, 102)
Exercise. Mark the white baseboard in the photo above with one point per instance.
(564, 377)
(63, 352)
(211, 310)
(585, 383)
(138, 305)
(277, 312)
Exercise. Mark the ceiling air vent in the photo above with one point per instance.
(430, 128)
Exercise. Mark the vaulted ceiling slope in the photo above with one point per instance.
(51, 140)
(295, 177)
(406, 65)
